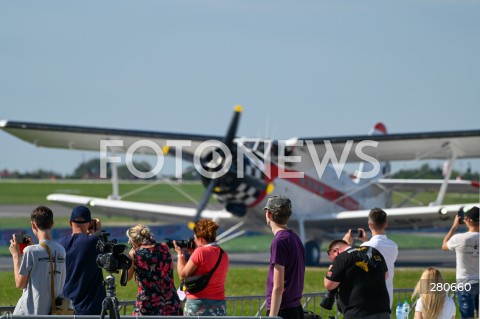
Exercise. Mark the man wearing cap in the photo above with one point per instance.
(466, 249)
(84, 283)
(287, 262)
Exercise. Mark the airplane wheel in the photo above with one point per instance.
(313, 253)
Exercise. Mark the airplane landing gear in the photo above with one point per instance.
(312, 249)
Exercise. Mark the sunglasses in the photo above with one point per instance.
(331, 250)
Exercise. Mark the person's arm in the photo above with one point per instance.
(20, 280)
(418, 315)
(131, 254)
(184, 269)
(329, 284)
(451, 232)
(277, 291)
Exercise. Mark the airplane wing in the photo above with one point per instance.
(433, 185)
(136, 209)
(400, 147)
(411, 146)
(398, 218)
(88, 138)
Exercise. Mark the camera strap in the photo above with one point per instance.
(52, 272)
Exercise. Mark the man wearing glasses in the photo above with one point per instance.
(359, 274)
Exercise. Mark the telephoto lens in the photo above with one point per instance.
(329, 299)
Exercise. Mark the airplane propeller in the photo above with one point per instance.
(228, 141)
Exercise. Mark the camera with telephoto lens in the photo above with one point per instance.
(329, 299)
(113, 257)
(185, 243)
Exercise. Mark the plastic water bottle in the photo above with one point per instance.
(406, 309)
(399, 311)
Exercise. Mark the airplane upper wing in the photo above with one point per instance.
(411, 146)
(88, 138)
(428, 145)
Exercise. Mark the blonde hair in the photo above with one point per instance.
(207, 229)
(433, 301)
(139, 234)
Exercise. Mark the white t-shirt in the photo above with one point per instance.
(35, 299)
(448, 311)
(466, 250)
(389, 250)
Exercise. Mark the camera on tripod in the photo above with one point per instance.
(185, 243)
(113, 257)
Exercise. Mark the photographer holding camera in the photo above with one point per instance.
(84, 283)
(359, 274)
(32, 268)
(153, 269)
(207, 256)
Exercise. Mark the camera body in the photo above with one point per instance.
(461, 214)
(357, 233)
(113, 257)
(22, 240)
(185, 243)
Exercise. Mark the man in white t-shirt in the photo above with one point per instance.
(32, 269)
(465, 246)
(377, 222)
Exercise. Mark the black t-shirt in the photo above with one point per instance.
(361, 273)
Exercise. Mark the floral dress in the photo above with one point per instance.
(154, 275)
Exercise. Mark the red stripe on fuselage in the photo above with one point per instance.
(314, 186)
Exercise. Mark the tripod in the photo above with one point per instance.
(110, 302)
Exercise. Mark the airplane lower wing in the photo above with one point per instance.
(405, 185)
(436, 216)
(166, 213)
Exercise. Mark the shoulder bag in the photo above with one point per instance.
(60, 305)
(196, 284)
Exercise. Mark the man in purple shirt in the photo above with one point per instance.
(287, 262)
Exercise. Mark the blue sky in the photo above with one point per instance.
(299, 68)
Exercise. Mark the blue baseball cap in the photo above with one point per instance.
(81, 215)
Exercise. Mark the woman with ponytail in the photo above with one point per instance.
(153, 269)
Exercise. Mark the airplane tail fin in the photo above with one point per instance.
(378, 129)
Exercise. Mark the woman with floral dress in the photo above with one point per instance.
(153, 269)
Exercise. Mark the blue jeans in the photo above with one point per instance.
(468, 302)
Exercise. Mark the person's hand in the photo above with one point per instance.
(456, 221)
(99, 223)
(348, 237)
(178, 249)
(14, 248)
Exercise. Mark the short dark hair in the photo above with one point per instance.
(336, 242)
(378, 218)
(43, 217)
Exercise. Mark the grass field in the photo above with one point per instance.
(34, 192)
(241, 281)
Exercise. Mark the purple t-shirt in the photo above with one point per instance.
(287, 250)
